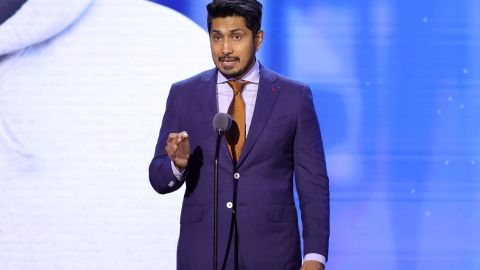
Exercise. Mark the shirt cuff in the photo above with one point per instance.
(178, 174)
(315, 257)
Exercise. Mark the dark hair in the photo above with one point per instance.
(251, 10)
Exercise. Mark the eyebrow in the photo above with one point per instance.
(231, 31)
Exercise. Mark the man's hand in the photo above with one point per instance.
(312, 265)
(178, 149)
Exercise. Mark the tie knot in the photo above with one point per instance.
(237, 86)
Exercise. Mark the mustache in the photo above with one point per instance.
(228, 58)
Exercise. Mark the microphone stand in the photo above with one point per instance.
(221, 123)
(215, 199)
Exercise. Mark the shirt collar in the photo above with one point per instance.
(253, 75)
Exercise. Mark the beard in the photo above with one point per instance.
(232, 73)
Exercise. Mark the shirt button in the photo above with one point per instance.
(236, 176)
(229, 205)
(171, 184)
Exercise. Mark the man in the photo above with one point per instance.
(275, 134)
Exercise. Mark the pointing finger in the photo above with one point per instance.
(181, 136)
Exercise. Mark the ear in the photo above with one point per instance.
(258, 39)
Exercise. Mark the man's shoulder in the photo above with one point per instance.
(194, 80)
(282, 80)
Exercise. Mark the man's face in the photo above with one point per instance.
(233, 45)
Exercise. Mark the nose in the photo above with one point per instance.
(227, 47)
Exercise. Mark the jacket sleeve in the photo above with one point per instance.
(161, 174)
(311, 178)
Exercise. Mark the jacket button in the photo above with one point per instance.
(171, 184)
(236, 176)
(229, 205)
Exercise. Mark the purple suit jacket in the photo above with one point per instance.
(284, 139)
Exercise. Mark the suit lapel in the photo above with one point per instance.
(207, 97)
(266, 98)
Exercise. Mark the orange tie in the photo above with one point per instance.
(237, 132)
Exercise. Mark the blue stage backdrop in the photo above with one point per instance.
(397, 91)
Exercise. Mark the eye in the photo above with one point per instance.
(216, 37)
(237, 37)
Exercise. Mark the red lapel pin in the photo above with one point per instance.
(274, 90)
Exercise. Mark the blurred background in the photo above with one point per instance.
(396, 86)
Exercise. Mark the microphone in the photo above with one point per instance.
(222, 123)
